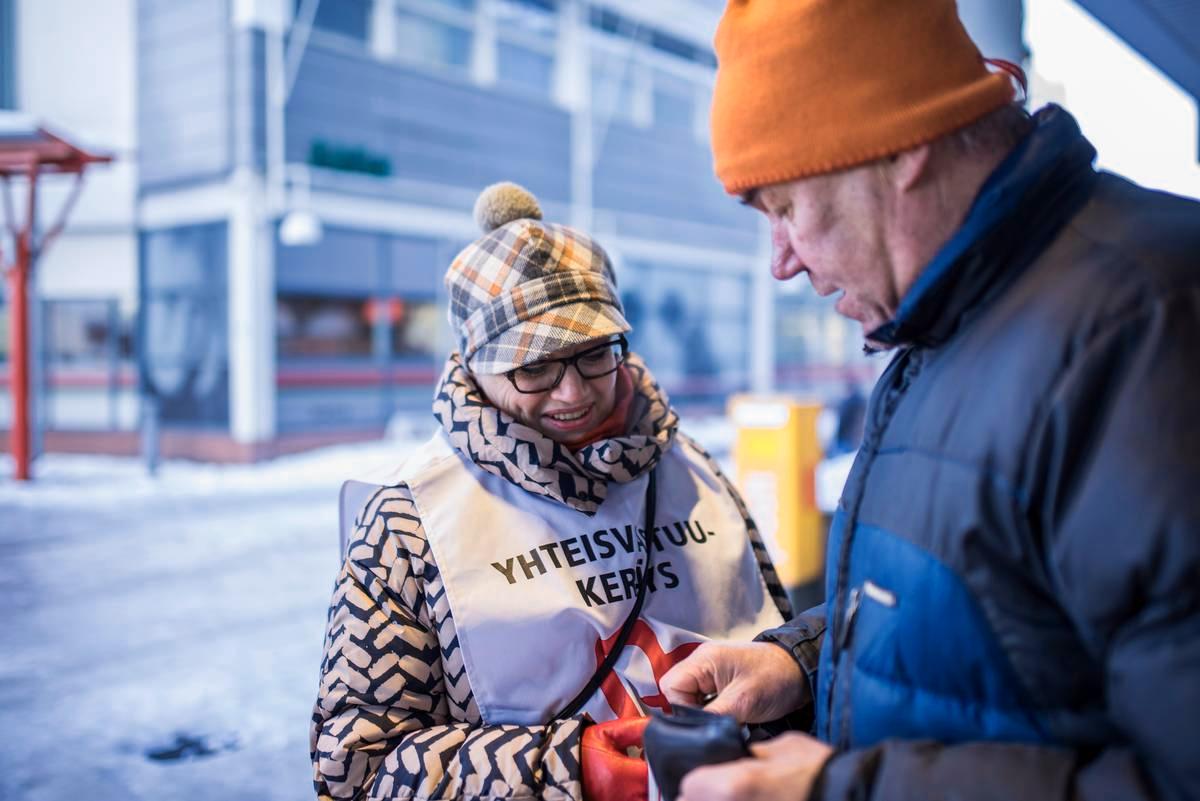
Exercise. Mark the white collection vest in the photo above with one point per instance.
(539, 590)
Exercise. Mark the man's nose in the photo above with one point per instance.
(785, 263)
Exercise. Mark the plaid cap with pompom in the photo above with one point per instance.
(528, 289)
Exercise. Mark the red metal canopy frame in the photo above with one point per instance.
(30, 154)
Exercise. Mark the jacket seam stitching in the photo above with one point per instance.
(1002, 483)
(1016, 706)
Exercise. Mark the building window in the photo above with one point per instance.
(614, 24)
(674, 46)
(350, 18)
(615, 87)
(86, 333)
(435, 32)
(674, 103)
(643, 76)
(816, 349)
(309, 326)
(416, 329)
(86, 348)
(524, 67)
(8, 56)
(692, 326)
(182, 343)
(526, 32)
(602, 19)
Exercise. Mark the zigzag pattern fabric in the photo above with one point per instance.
(517, 453)
(395, 717)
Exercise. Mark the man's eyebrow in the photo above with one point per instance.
(749, 197)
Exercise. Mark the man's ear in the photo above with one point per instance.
(910, 167)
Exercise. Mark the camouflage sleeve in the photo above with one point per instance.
(394, 717)
(770, 577)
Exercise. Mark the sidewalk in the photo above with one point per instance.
(149, 619)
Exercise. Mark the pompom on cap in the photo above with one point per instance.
(504, 202)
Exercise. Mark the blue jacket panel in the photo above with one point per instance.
(897, 679)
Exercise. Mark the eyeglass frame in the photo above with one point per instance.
(571, 361)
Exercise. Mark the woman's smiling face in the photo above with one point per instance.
(568, 412)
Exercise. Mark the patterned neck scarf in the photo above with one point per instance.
(531, 460)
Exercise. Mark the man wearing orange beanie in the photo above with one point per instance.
(1013, 574)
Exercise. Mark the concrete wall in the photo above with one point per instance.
(433, 129)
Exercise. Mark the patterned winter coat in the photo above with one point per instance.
(395, 716)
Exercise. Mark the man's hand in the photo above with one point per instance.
(754, 682)
(783, 768)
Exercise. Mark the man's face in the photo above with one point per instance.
(833, 227)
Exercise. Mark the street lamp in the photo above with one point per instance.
(300, 228)
(300, 225)
(29, 151)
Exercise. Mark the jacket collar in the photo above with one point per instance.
(1023, 204)
(500, 445)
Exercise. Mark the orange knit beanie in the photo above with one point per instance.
(812, 86)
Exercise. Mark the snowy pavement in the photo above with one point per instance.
(181, 614)
(162, 636)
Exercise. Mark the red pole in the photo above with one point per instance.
(19, 357)
(18, 434)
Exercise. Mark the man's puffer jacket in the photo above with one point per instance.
(1013, 583)
(395, 716)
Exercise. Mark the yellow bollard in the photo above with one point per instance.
(775, 455)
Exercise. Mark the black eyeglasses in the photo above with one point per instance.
(594, 362)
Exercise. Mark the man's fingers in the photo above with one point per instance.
(733, 673)
(729, 781)
(793, 753)
(729, 702)
(734, 700)
(688, 682)
(785, 746)
(782, 769)
(719, 706)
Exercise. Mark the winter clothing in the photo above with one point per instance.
(799, 88)
(528, 289)
(504, 202)
(406, 710)
(1012, 593)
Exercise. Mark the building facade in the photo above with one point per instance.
(295, 176)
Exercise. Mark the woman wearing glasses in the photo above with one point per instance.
(543, 560)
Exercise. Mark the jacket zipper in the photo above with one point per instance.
(903, 370)
(870, 591)
(846, 635)
(852, 604)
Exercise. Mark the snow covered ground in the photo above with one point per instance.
(145, 617)
(162, 636)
